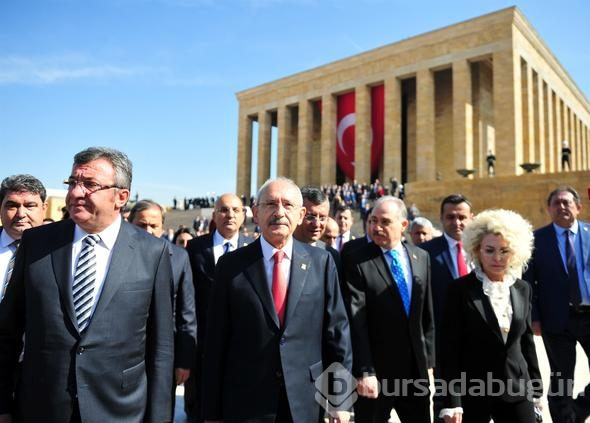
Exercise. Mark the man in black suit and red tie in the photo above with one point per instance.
(204, 252)
(92, 295)
(276, 321)
(391, 319)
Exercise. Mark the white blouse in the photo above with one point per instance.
(499, 294)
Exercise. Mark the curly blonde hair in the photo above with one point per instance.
(511, 226)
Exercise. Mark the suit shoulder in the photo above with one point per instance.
(175, 250)
(200, 243)
(419, 252)
(49, 231)
(434, 245)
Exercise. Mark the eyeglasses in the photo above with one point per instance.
(226, 210)
(89, 187)
(492, 252)
(312, 218)
(275, 206)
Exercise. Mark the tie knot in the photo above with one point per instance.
(92, 239)
(393, 254)
(459, 245)
(278, 256)
(15, 243)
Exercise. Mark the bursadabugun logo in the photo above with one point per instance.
(336, 388)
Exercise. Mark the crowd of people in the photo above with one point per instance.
(99, 313)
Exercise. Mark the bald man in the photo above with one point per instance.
(204, 252)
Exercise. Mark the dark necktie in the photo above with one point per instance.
(400, 279)
(226, 247)
(279, 286)
(461, 264)
(10, 267)
(572, 268)
(84, 279)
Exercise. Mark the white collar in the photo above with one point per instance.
(5, 239)
(218, 239)
(108, 236)
(268, 251)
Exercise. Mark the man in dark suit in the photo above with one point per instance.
(560, 278)
(92, 295)
(391, 319)
(345, 220)
(445, 251)
(149, 215)
(22, 206)
(276, 321)
(311, 229)
(204, 252)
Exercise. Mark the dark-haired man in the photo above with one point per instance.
(22, 206)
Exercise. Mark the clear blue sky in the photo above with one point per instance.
(157, 78)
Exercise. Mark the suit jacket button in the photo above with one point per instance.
(279, 374)
(80, 350)
(283, 340)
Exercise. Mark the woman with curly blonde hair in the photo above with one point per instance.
(486, 333)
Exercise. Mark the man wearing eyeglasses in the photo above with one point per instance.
(317, 213)
(276, 322)
(559, 274)
(92, 295)
(204, 252)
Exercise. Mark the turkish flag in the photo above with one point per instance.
(345, 130)
(345, 121)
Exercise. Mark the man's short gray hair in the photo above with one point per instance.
(121, 163)
(400, 206)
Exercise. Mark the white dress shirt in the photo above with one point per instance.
(6, 252)
(453, 245)
(268, 252)
(103, 249)
(219, 244)
(405, 262)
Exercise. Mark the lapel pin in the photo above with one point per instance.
(414, 257)
(303, 266)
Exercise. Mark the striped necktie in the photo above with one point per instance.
(14, 247)
(84, 278)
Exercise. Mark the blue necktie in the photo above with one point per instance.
(400, 279)
(572, 268)
(226, 247)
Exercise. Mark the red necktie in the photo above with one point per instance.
(461, 265)
(279, 286)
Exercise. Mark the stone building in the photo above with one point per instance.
(450, 96)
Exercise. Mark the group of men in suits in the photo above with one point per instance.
(110, 312)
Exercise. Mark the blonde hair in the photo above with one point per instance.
(511, 226)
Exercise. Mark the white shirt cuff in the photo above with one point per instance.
(450, 412)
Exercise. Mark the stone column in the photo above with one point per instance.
(425, 159)
(328, 142)
(507, 112)
(578, 156)
(539, 122)
(244, 177)
(392, 142)
(567, 133)
(362, 136)
(558, 133)
(304, 140)
(528, 114)
(285, 140)
(550, 134)
(462, 116)
(264, 123)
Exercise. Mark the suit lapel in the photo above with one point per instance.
(300, 267)
(517, 298)
(384, 271)
(119, 266)
(446, 255)
(209, 257)
(585, 234)
(256, 274)
(416, 280)
(483, 306)
(61, 259)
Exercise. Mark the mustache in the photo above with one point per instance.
(277, 221)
